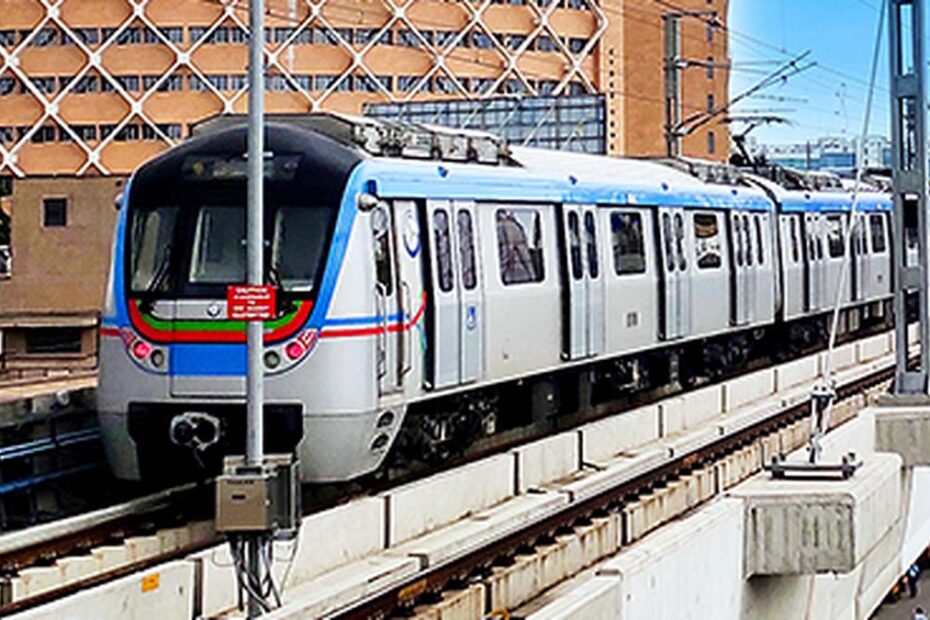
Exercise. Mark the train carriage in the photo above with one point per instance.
(426, 303)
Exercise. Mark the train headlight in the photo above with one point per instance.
(294, 350)
(157, 358)
(141, 349)
(272, 360)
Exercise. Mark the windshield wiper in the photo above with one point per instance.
(161, 272)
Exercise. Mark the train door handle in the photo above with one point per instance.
(381, 310)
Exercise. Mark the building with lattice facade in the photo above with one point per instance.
(98, 86)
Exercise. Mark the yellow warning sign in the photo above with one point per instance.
(150, 582)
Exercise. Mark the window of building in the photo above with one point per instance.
(6, 135)
(443, 240)
(626, 229)
(707, 241)
(711, 142)
(545, 43)
(467, 251)
(54, 212)
(87, 36)
(710, 67)
(877, 229)
(519, 241)
(45, 85)
(130, 36)
(7, 86)
(710, 32)
(7, 38)
(53, 340)
(710, 102)
(46, 37)
(238, 81)
(834, 224)
(84, 84)
(43, 135)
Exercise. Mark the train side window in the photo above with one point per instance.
(795, 249)
(590, 235)
(628, 246)
(669, 243)
(738, 236)
(467, 251)
(680, 241)
(574, 246)
(760, 250)
(443, 250)
(519, 240)
(877, 229)
(384, 273)
(707, 241)
(748, 236)
(835, 236)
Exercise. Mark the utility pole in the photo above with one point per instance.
(909, 175)
(255, 382)
(671, 28)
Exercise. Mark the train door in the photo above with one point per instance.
(388, 305)
(677, 293)
(742, 276)
(815, 261)
(412, 300)
(583, 292)
(861, 262)
(456, 319)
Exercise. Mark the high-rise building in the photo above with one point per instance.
(97, 87)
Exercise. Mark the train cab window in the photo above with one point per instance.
(152, 235)
(877, 230)
(748, 237)
(707, 241)
(380, 230)
(467, 250)
(795, 249)
(297, 247)
(443, 250)
(760, 250)
(519, 241)
(629, 251)
(590, 235)
(219, 245)
(574, 246)
(835, 236)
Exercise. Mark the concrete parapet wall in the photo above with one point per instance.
(743, 390)
(804, 527)
(905, 431)
(601, 441)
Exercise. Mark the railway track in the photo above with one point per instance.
(183, 507)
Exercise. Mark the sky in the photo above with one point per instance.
(828, 99)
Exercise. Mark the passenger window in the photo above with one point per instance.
(680, 241)
(467, 251)
(574, 246)
(748, 237)
(443, 250)
(669, 243)
(835, 236)
(382, 246)
(707, 241)
(760, 250)
(795, 253)
(877, 228)
(590, 234)
(519, 241)
(629, 250)
(738, 236)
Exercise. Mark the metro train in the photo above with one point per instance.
(437, 288)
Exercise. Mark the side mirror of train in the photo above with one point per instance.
(367, 202)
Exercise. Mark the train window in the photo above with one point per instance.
(381, 236)
(152, 233)
(219, 245)
(760, 251)
(519, 241)
(795, 250)
(298, 244)
(707, 241)
(738, 236)
(680, 241)
(629, 251)
(669, 243)
(877, 229)
(835, 235)
(574, 246)
(443, 250)
(467, 250)
(590, 235)
(748, 237)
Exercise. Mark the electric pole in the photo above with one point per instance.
(909, 176)
(671, 25)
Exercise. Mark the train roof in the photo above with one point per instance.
(806, 201)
